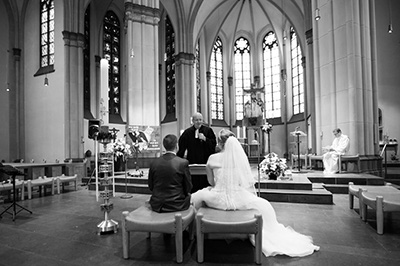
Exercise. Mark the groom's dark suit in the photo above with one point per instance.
(170, 183)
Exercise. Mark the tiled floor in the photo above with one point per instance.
(62, 231)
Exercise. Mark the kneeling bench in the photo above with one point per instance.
(61, 180)
(40, 182)
(355, 191)
(215, 221)
(143, 219)
(381, 203)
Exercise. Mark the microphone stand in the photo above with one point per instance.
(126, 196)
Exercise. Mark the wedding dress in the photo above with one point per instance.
(234, 191)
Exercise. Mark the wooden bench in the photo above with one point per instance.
(214, 221)
(355, 191)
(63, 179)
(143, 219)
(381, 202)
(41, 182)
(315, 159)
(343, 163)
(8, 186)
(305, 157)
(345, 160)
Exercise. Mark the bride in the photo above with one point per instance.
(232, 188)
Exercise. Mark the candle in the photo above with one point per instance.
(238, 132)
(104, 90)
(244, 132)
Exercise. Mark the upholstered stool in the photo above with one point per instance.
(210, 220)
(40, 182)
(61, 180)
(143, 219)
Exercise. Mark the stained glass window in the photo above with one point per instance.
(170, 67)
(46, 33)
(86, 63)
(242, 74)
(297, 74)
(111, 52)
(271, 76)
(198, 84)
(217, 81)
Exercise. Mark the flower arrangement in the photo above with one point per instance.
(266, 128)
(105, 137)
(273, 165)
(121, 148)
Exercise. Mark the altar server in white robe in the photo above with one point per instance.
(340, 146)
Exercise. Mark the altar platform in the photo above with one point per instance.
(311, 187)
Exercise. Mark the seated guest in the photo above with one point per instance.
(339, 146)
(170, 180)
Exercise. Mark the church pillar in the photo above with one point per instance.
(344, 74)
(310, 92)
(185, 94)
(142, 68)
(232, 118)
(17, 99)
(73, 45)
(208, 113)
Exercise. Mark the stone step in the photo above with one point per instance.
(317, 196)
(337, 188)
(393, 181)
(293, 185)
(314, 196)
(129, 188)
(344, 180)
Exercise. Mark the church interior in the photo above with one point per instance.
(280, 74)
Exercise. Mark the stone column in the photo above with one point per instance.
(142, 68)
(73, 48)
(344, 74)
(185, 92)
(231, 100)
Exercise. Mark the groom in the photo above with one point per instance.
(170, 180)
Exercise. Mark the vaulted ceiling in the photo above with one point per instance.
(231, 18)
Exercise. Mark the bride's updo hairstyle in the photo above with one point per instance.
(223, 136)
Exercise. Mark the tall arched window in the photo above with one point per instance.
(170, 68)
(111, 52)
(86, 65)
(217, 81)
(297, 74)
(271, 76)
(198, 84)
(46, 33)
(242, 74)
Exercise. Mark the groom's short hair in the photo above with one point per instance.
(170, 141)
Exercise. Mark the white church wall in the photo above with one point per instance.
(4, 94)
(44, 106)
